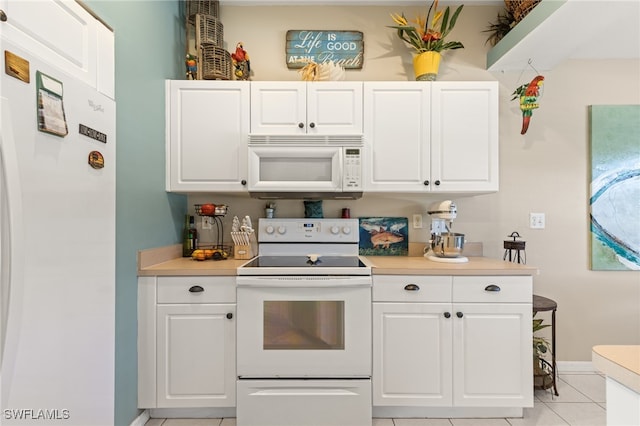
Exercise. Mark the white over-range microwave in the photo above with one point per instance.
(307, 166)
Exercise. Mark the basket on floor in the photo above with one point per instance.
(215, 63)
(520, 8)
(209, 30)
(203, 7)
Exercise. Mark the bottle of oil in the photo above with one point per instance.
(189, 236)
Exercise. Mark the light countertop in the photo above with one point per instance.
(167, 261)
(619, 362)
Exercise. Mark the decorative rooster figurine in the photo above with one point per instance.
(528, 94)
(192, 67)
(241, 62)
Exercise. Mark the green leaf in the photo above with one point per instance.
(454, 18)
(443, 25)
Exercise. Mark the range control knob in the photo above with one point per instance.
(335, 230)
(282, 230)
(346, 230)
(269, 229)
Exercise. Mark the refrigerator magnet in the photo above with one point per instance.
(96, 160)
(51, 117)
(16, 66)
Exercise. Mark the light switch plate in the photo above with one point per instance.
(417, 221)
(536, 220)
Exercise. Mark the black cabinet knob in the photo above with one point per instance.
(196, 289)
(411, 287)
(229, 315)
(437, 183)
(243, 182)
(301, 125)
(459, 314)
(447, 314)
(426, 183)
(492, 287)
(312, 125)
(3, 16)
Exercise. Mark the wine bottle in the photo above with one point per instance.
(186, 237)
(193, 233)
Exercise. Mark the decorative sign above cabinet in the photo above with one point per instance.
(344, 48)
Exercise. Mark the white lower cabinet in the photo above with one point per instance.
(187, 343)
(442, 341)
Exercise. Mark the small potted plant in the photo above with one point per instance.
(428, 38)
(541, 376)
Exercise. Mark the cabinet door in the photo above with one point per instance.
(396, 133)
(464, 136)
(334, 108)
(492, 355)
(278, 107)
(207, 132)
(196, 352)
(412, 354)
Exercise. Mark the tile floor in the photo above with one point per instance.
(581, 403)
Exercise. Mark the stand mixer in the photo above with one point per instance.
(445, 246)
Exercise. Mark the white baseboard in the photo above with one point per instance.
(576, 367)
(141, 420)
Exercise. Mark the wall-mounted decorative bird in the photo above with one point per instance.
(192, 67)
(241, 62)
(528, 94)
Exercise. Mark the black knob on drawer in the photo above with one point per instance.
(243, 182)
(437, 183)
(426, 183)
(411, 287)
(3, 16)
(312, 125)
(229, 315)
(492, 287)
(447, 314)
(196, 289)
(301, 125)
(459, 314)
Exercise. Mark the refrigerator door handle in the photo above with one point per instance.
(11, 250)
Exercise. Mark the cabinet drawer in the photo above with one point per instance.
(411, 288)
(196, 289)
(492, 289)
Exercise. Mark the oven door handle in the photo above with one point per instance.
(304, 282)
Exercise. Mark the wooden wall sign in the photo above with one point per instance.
(344, 48)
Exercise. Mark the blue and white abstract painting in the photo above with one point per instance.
(615, 187)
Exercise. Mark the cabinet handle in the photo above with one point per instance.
(196, 289)
(459, 314)
(447, 314)
(3, 16)
(229, 315)
(312, 125)
(243, 182)
(492, 287)
(301, 125)
(411, 287)
(437, 183)
(426, 183)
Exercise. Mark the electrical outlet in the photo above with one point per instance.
(417, 221)
(536, 220)
(206, 222)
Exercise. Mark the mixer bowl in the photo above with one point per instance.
(448, 244)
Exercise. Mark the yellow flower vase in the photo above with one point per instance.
(426, 65)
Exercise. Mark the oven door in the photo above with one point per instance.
(304, 326)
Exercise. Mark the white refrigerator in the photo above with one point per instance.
(57, 235)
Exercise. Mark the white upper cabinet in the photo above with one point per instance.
(431, 137)
(207, 132)
(63, 33)
(318, 108)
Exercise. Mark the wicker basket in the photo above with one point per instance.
(203, 7)
(520, 8)
(209, 30)
(215, 63)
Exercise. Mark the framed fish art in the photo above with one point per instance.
(384, 236)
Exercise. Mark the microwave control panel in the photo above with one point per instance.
(352, 178)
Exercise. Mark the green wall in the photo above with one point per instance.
(149, 44)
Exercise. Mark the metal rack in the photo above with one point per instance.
(220, 212)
